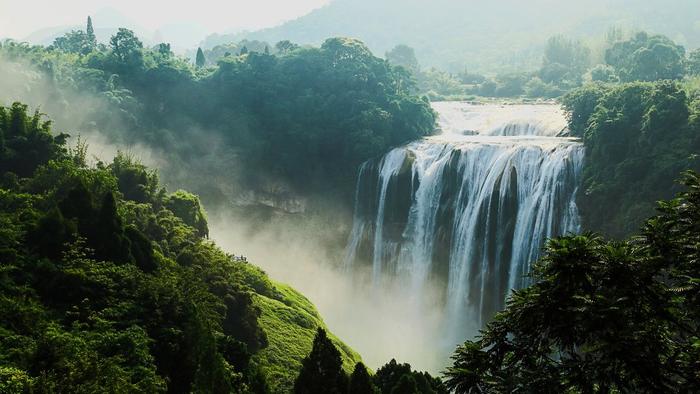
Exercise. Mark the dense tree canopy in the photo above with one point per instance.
(305, 117)
(404, 56)
(126, 48)
(565, 60)
(107, 284)
(694, 63)
(395, 378)
(638, 137)
(602, 317)
(361, 381)
(646, 57)
(567, 63)
(354, 106)
(26, 140)
(322, 373)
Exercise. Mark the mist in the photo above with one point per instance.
(503, 35)
(185, 24)
(380, 322)
(293, 246)
(300, 239)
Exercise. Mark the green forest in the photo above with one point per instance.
(567, 63)
(601, 317)
(111, 281)
(334, 107)
(109, 284)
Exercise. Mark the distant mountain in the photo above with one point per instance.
(107, 21)
(46, 35)
(484, 35)
(182, 36)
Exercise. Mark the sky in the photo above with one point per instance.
(20, 18)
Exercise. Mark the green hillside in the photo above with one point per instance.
(290, 322)
(108, 283)
(482, 36)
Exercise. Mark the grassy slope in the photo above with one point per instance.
(290, 324)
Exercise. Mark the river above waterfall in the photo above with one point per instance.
(467, 211)
(459, 118)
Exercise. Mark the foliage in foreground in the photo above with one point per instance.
(602, 317)
(108, 284)
(322, 373)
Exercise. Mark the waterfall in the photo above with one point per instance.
(468, 209)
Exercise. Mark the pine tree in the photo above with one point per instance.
(200, 60)
(3, 123)
(322, 371)
(110, 242)
(361, 382)
(17, 122)
(244, 50)
(2, 143)
(406, 385)
(90, 33)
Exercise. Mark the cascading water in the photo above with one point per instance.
(468, 210)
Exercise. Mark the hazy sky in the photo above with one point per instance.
(19, 18)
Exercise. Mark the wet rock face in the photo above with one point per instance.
(468, 212)
(399, 195)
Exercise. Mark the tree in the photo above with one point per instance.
(2, 137)
(568, 52)
(90, 34)
(75, 41)
(511, 84)
(470, 369)
(488, 88)
(51, 234)
(603, 73)
(637, 136)
(286, 46)
(127, 48)
(589, 326)
(109, 240)
(27, 140)
(187, 207)
(580, 104)
(646, 58)
(164, 49)
(396, 378)
(337, 106)
(693, 63)
(78, 41)
(15, 381)
(135, 181)
(361, 382)
(200, 60)
(406, 385)
(322, 371)
(79, 314)
(538, 88)
(404, 56)
(575, 310)
(565, 60)
(470, 78)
